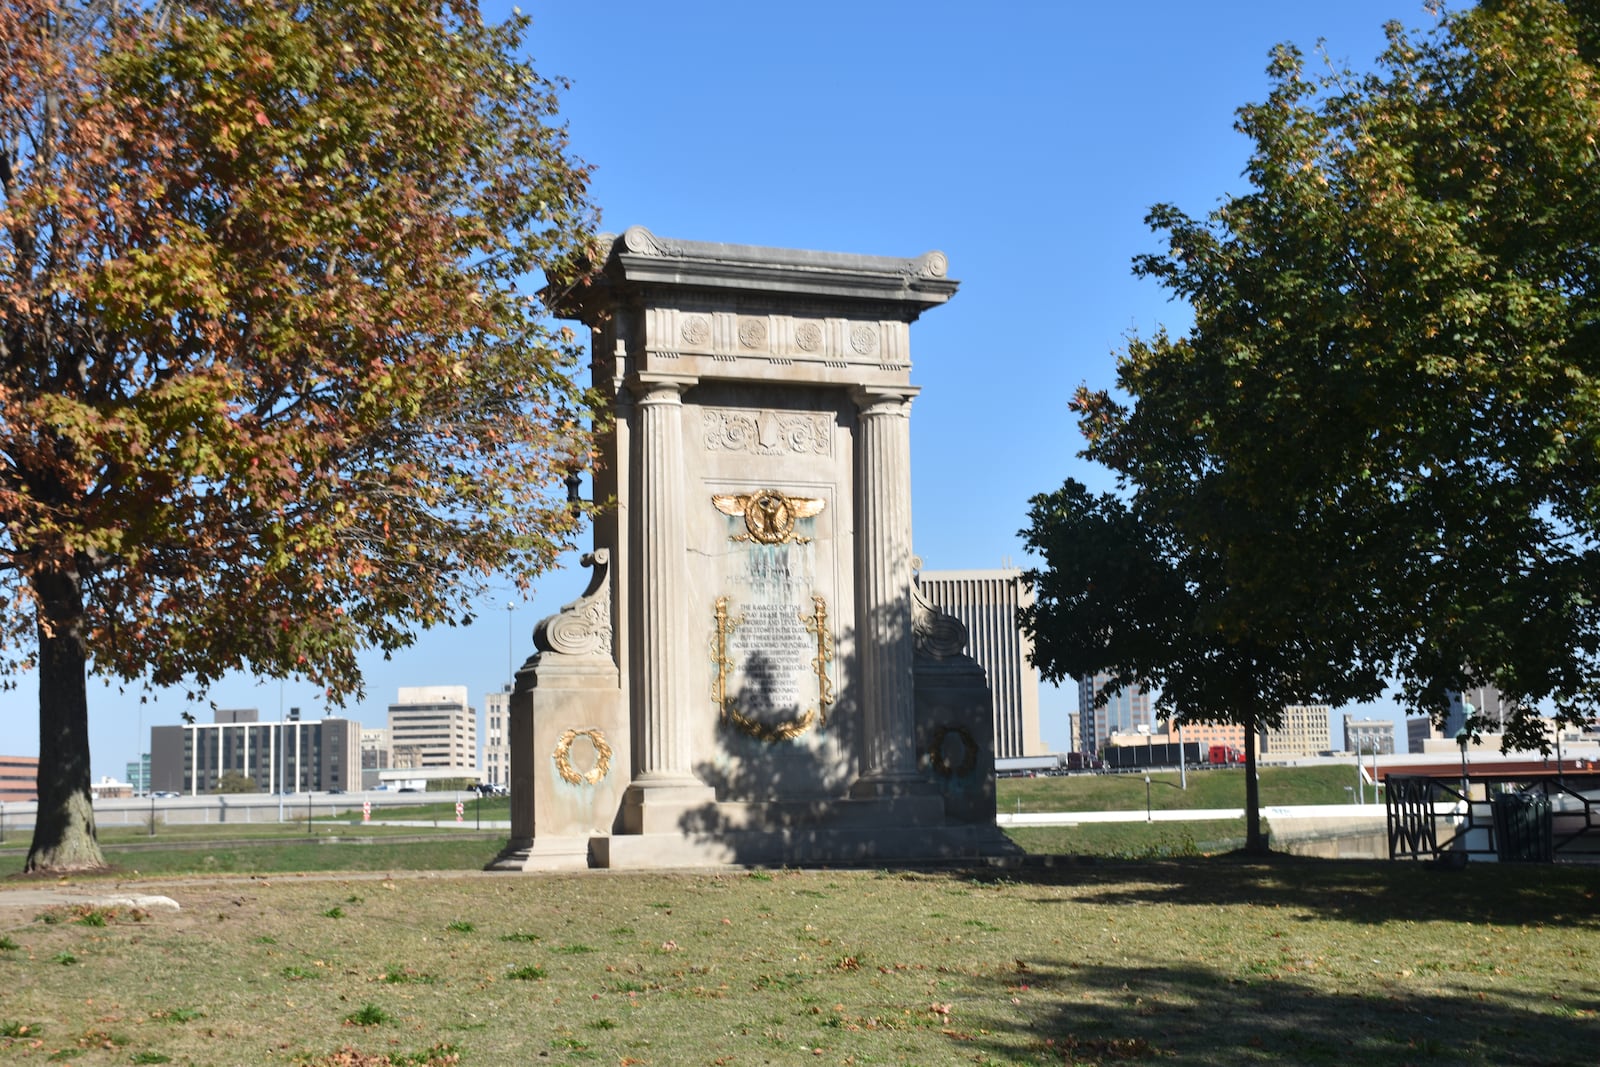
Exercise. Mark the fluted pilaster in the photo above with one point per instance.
(883, 589)
(661, 737)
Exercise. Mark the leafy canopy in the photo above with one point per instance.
(271, 386)
(1377, 450)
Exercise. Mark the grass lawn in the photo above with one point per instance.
(1222, 788)
(1184, 962)
(1135, 840)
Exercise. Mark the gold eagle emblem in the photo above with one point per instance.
(769, 516)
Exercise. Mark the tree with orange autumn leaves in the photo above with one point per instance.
(272, 391)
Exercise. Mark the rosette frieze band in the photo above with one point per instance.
(672, 332)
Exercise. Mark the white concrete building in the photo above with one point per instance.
(496, 749)
(432, 727)
(1369, 735)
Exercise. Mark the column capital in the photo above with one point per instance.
(883, 399)
(658, 387)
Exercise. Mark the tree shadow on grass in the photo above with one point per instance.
(1368, 892)
(1102, 1013)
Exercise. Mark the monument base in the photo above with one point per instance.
(890, 787)
(661, 806)
(544, 854)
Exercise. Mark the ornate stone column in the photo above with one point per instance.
(664, 782)
(884, 642)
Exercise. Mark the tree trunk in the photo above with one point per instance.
(63, 832)
(1255, 842)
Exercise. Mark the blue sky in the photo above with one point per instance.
(1024, 140)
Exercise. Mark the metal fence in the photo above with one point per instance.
(1508, 818)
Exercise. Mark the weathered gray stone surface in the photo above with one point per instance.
(742, 681)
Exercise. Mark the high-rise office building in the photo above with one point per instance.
(1124, 712)
(1485, 704)
(986, 602)
(432, 727)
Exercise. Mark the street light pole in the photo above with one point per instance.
(1183, 764)
(511, 670)
(1147, 817)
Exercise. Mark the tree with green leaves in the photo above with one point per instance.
(1123, 591)
(1376, 451)
(272, 388)
(235, 782)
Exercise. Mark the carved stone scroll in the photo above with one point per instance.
(583, 627)
(936, 634)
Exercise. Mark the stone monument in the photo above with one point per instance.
(750, 676)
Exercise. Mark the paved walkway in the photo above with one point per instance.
(1362, 812)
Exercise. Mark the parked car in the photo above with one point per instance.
(165, 794)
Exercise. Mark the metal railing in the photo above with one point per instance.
(1505, 817)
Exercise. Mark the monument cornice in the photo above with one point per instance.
(639, 261)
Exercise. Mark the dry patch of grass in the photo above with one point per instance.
(1204, 962)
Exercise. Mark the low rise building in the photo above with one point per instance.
(1228, 735)
(287, 757)
(1303, 732)
(1368, 736)
(108, 788)
(1427, 739)
(138, 772)
(19, 778)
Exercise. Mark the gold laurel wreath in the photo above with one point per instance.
(563, 757)
(969, 755)
(772, 732)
